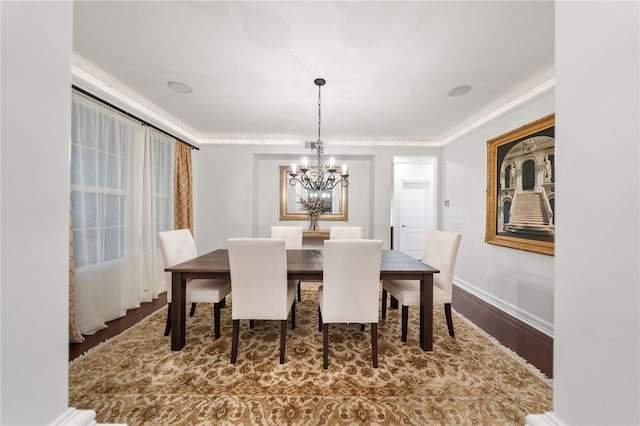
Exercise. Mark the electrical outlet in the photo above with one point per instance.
(446, 203)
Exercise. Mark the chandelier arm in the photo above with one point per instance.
(307, 183)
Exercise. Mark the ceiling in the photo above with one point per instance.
(389, 66)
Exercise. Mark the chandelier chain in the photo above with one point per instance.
(319, 113)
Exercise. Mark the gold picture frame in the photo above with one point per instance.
(290, 208)
(521, 188)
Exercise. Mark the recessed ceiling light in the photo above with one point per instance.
(460, 90)
(179, 87)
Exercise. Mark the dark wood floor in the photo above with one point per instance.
(117, 326)
(530, 344)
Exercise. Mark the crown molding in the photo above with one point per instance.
(91, 78)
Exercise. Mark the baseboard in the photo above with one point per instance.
(546, 419)
(530, 343)
(73, 416)
(512, 310)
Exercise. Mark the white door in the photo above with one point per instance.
(414, 215)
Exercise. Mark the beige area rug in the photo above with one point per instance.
(135, 378)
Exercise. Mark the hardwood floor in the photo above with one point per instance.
(117, 326)
(531, 344)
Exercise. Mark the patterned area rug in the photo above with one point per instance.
(135, 378)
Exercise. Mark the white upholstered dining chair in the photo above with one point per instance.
(178, 246)
(260, 287)
(292, 236)
(345, 232)
(350, 288)
(440, 251)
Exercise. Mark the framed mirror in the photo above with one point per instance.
(290, 196)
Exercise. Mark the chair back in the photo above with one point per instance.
(351, 280)
(292, 235)
(177, 246)
(258, 278)
(441, 251)
(345, 232)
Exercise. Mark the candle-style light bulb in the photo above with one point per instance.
(304, 162)
(344, 169)
(293, 168)
(331, 162)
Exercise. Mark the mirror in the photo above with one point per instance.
(290, 196)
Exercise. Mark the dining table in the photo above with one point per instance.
(303, 265)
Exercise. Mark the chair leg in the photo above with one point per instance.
(394, 303)
(325, 346)
(234, 341)
(374, 344)
(405, 320)
(384, 304)
(283, 339)
(252, 323)
(319, 319)
(193, 309)
(293, 315)
(223, 302)
(447, 314)
(361, 327)
(167, 327)
(216, 318)
(299, 293)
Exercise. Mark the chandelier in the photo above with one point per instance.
(318, 180)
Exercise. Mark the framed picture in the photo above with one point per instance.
(521, 188)
(291, 195)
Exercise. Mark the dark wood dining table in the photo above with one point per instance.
(304, 265)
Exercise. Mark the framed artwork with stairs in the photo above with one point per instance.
(521, 187)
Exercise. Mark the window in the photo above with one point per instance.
(162, 156)
(121, 197)
(102, 144)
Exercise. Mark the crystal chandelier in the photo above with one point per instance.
(318, 180)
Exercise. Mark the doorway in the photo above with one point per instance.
(413, 204)
(528, 175)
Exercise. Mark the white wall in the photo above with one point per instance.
(36, 96)
(238, 189)
(521, 283)
(597, 346)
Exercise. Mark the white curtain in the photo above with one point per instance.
(122, 195)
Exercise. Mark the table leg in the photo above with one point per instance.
(426, 312)
(178, 301)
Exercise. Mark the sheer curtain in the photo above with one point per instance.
(119, 175)
(158, 209)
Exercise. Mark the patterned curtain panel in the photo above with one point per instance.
(74, 333)
(183, 183)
